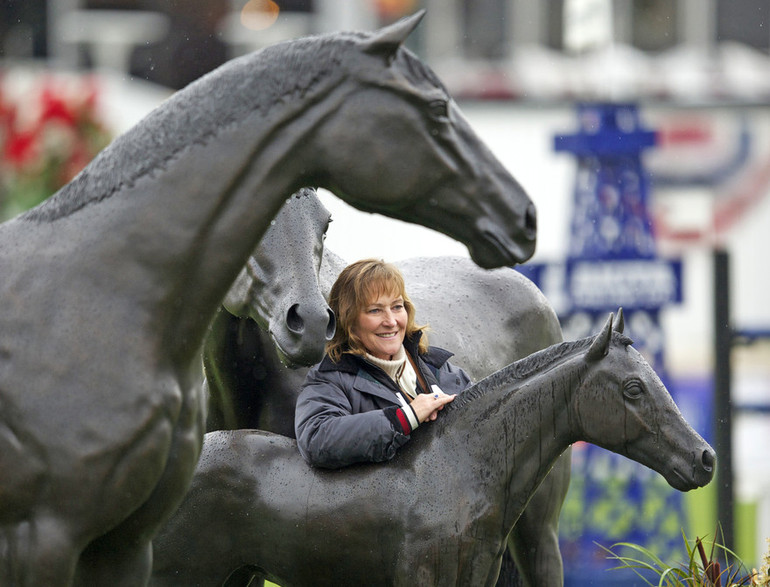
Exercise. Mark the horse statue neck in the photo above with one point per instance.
(173, 198)
(527, 408)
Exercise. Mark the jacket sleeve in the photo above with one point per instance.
(331, 435)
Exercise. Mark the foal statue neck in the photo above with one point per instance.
(528, 407)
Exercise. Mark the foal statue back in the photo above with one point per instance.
(108, 287)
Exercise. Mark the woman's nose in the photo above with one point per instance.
(389, 318)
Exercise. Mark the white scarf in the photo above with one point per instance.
(399, 369)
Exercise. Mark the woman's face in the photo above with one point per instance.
(381, 325)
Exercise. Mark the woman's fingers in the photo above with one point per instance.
(427, 405)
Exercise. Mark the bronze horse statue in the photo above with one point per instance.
(108, 287)
(440, 512)
(488, 318)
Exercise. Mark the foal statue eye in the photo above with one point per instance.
(633, 389)
(438, 110)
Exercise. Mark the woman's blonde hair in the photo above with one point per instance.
(357, 286)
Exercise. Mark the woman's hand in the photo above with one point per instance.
(426, 406)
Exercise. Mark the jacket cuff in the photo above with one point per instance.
(399, 419)
(411, 416)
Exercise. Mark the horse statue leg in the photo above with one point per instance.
(534, 541)
(220, 411)
(127, 562)
(234, 372)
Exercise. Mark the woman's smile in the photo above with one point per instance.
(381, 325)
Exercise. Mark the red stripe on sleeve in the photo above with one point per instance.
(404, 421)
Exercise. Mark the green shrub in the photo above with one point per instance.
(708, 565)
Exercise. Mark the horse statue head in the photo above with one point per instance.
(279, 286)
(638, 419)
(415, 153)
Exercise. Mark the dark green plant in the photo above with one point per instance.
(701, 569)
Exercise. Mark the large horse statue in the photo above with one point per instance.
(438, 513)
(108, 287)
(488, 318)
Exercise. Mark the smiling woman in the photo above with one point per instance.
(379, 379)
(381, 326)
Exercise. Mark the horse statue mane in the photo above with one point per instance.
(315, 65)
(531, 366)
(153, 143)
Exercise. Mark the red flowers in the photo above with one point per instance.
(19, 148)
(49, 131)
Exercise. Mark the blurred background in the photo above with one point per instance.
(685, 82)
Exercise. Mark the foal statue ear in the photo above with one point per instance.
(620, 323)
(388, 39)
(601, 344)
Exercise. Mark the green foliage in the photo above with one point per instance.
(701, 569)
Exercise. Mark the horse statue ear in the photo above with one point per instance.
(620, 323)
(601, 344)
(237, 297)
(388, 39)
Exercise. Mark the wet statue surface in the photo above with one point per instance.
(487, 318)
(262, 505)
(108, 287)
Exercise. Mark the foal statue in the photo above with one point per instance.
(440, 511)
(108, 287)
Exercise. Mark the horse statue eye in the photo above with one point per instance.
(438, 110)
(633, 389)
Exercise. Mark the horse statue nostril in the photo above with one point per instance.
(294, 320)
(331, 326)
(707, 460)
(530, 220)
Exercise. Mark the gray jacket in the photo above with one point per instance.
(347, 412)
